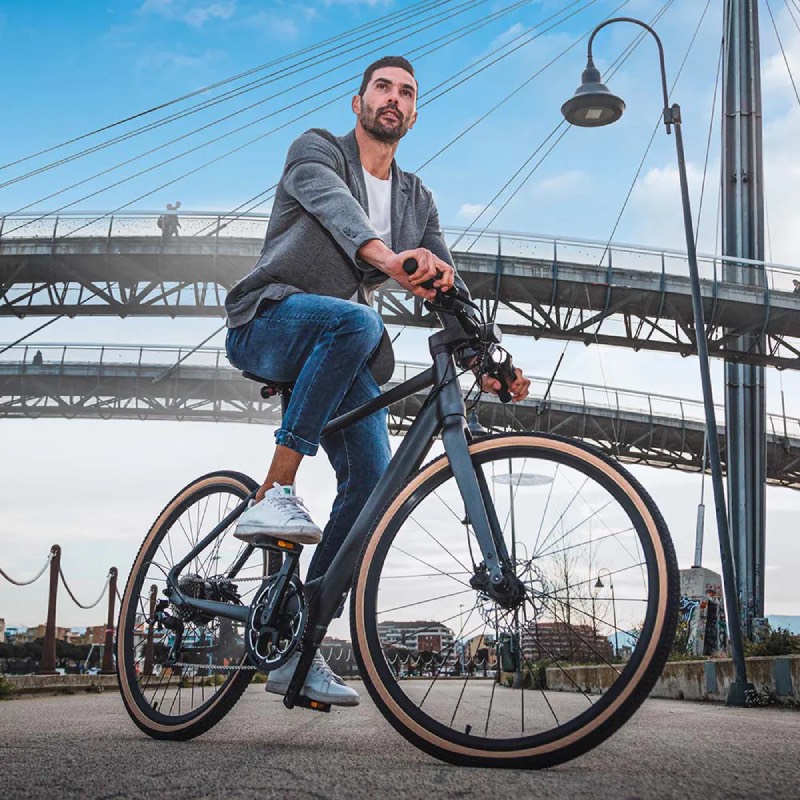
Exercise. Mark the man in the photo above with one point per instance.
(344, 219)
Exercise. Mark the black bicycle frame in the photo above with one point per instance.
(443, 412)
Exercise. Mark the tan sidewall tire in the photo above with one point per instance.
(214, 712)
(451, 751)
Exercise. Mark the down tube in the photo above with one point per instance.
(409, 456)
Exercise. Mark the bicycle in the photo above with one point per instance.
(195, 626)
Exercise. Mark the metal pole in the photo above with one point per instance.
(743, 237)
(614, 610)
(151, 621)
(737, 694)
(47, 666)
(108, 649)
(701, 509)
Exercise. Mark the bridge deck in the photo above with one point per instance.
(144, 383)
(631, 297)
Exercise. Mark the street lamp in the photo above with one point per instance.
(591, 106)
(600, 585)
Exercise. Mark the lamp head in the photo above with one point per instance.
(599, 584)
(592, 105)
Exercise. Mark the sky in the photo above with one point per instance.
(95, 486)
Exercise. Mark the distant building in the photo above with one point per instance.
(32, 634)
(418, 636)
(2, 630)
(549, 641)
(95, 634)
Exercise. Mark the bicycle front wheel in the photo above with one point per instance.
(532, 683)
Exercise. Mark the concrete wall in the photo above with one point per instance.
(693, 680)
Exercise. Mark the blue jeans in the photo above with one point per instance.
(322, 345)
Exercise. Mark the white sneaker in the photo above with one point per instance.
(278, 514)
(322, 684)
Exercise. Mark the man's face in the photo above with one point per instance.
(388, 109)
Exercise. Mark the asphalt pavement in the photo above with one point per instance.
(85, 746)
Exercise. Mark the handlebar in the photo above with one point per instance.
(452, 302)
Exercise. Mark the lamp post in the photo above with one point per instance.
(594, 105)
(599, 585)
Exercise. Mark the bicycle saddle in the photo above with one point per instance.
(270, 388)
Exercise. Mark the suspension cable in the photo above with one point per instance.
(783, 52)
(507, 44)
(562, 124)
(454, 36)
(224, 155)
(385, 18)
(511, 94)
(467, 5)
(653, 135)
(708, 146)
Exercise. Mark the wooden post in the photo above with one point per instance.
(108, 649)
(151, 621)
(47, 666)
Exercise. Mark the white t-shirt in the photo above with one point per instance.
(379, 196)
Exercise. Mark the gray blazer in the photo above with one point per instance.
(317, 224)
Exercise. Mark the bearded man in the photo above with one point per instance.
(344, 220)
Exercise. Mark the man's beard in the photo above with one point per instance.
(384, 129)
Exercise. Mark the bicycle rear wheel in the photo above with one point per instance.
(174, 691)
(432, 650)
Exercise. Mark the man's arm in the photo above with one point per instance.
(313, 176)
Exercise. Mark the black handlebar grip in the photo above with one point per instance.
(410, 266)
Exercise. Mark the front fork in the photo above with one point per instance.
(496, 576)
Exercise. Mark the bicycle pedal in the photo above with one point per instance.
(274, 543)
(314, 705)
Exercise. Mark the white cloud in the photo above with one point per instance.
(471, 210)
(168, 59)
(275, 25)
(507, 35)
(194, 15)
(565, 184)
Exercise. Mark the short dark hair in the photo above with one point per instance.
(386, 61)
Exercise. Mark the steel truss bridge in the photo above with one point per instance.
(169, 383)
(629, 296)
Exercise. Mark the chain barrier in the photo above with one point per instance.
(32, 580)
(74, 599)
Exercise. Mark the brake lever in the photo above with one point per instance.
(504, 372)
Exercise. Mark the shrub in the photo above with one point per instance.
(779, 642)
(6, 688)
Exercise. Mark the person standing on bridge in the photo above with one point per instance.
(344, 219)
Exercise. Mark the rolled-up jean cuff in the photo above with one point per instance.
(294, 442)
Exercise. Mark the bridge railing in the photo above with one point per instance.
(219, 229)
(163, 361)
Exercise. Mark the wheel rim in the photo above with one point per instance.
(469, 712)
(213, 653)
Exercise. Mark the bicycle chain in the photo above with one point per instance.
(220, 667)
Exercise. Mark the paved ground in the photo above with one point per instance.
(84, 746)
